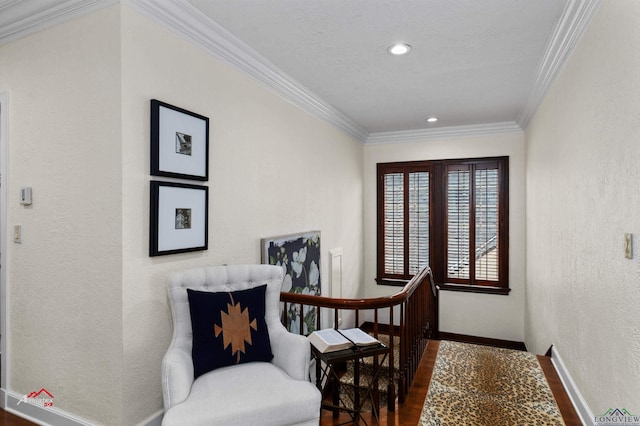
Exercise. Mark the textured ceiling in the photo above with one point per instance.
(479, 65)
(472, 62)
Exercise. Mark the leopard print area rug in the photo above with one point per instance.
(480, 385)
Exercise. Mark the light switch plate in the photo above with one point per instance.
(628, 246)
(25, 196)
(17, 234)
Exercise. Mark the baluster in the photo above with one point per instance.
(402, 365)
(301, 319)
(318, 311)
(285, 315)
(375, 406)
(391, 388)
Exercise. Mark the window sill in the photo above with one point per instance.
(392, 282)
(475, 289)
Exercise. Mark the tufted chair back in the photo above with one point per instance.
(266, 393)
(221, 278)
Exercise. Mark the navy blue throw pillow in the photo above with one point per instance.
(228, 328)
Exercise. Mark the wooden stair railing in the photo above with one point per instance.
(416, 308)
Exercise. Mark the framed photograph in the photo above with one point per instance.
(179, 218)
(299, 257)
(179, 142)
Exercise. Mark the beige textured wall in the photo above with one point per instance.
(65, 279)
(274, 170)
(88, 315)
(484, 315)
(583, 157)
(89, 318)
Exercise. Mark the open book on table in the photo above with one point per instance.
(330, 340)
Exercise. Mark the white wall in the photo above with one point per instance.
(88, 316)
(483, 315)
(65, 279)
(274, 170)
(583, 171)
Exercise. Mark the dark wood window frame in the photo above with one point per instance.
(438, 223)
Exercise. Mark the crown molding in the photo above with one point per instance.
(572, 24)
(444, 133)
(182, 18)
(44, 17)
(189, 23)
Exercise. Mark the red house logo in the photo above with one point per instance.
(42, 398)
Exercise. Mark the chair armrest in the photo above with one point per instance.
(291, 352)
(177, 376)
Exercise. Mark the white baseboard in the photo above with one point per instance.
(583, 410)
(153, 420)
(40, 415)
(52, 416)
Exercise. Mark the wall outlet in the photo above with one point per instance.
(628, 246)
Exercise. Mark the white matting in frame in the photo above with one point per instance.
(179, 218)
(179, 142)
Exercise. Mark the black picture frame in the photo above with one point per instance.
(179, 142)
(179, 218)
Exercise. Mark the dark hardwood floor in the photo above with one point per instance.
(409, 412)
(569, 414)
(8, 419)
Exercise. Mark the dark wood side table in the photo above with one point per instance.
(327, 373)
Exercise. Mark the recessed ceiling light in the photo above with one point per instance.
(399, 49)
(431, 119)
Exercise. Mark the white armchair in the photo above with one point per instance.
(254, 393)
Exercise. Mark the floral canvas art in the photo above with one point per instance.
(299, 257)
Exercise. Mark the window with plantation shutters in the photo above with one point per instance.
(486, 192)
(458, 213)
(472, 195)
(394, 224)
(449, 214)
(404, 222)
(418, 232)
